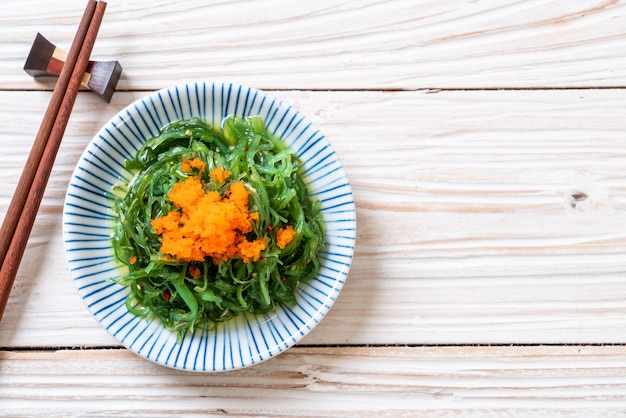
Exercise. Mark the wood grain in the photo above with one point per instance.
(480, 220)
(491, 207)
(331, 44)
(325, 382)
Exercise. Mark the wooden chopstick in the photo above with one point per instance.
(23, 187)
(20, 217)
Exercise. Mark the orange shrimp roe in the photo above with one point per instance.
(188, 165)
(207, 225)
(284, 236)
(219, 175)
(195, 272)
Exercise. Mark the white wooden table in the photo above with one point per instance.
(485, 142)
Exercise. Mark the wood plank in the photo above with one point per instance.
(338, 44)
(480, 220)
(340, 382)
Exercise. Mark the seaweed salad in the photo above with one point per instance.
(216, 221)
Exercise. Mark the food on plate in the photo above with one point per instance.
(215, 221)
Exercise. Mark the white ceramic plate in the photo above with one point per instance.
(88, 220)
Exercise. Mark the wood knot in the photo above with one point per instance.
(578, 198)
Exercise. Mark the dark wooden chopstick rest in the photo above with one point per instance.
(45, 59)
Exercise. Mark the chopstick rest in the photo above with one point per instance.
(45, 59)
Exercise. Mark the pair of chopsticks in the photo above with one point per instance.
(20, 216)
